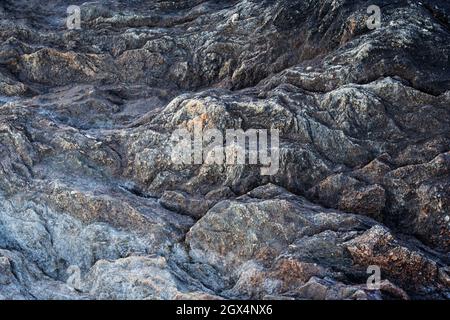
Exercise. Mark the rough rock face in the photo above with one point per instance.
(93, 207)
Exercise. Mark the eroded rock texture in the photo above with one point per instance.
(92, 207)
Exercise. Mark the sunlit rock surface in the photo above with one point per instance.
(92, 207)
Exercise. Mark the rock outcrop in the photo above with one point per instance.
(92, 205)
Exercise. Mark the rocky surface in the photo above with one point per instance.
(92, 207)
